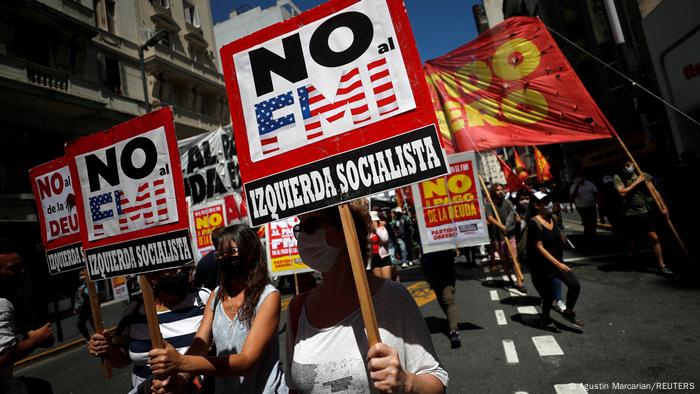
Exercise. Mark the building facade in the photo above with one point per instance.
(69, 68)
(245, 20)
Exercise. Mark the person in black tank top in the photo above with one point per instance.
(545, 255)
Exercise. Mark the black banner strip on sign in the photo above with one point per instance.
(141, 255)
(407, 158)
(66, 258)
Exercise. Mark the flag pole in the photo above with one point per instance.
(512, 254)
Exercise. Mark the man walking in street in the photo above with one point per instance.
(439, 271)
(584, 194)
(640, 218)
(12, 349)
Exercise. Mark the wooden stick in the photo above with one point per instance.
(513, 255)
(149, 305)
(358, 272)
(655, 194)
(296, 281)
(97, 318)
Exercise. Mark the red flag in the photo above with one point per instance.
(520, 167)
(542, 166)
(512, 86)
(512, 182)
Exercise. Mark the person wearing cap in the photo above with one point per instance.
(545, 254)
(504, 231)
(379, 238)
(640, 214)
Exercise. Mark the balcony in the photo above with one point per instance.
(162, 17)
(48, 78)
(195, 36)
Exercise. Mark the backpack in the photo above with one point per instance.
(522, 243)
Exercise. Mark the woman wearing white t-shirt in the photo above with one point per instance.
(327, 347)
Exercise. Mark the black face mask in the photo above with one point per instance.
(233, 268)
(176, 284)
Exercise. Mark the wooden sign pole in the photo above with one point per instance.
(149, 305)
(97, 318)
(513, 255)
(358, 271)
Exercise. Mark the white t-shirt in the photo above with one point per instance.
(333, 359)
(585, 197)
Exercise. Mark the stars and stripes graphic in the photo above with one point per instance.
(97, 214)
(314, 104)
(268, 125)
(382, 86)
(148, 208)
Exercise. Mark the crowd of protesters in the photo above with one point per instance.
(220, 322)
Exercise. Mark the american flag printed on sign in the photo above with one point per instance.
(268, 125)
(98, 215)
(382, 86)
(314, 104)
(143, 205)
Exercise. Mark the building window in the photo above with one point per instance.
(110, 5)
(191, 14)
(111, 74)
(163, 3)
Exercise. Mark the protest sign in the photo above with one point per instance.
(120, 289)
(281, 246)
(204, 220)
(130, 197)
(58, 217)
(450, 209)
(210, 165)
(328, 107)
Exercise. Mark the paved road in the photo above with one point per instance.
(639, 329)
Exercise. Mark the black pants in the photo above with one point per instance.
(589, 217)
(84, 316)
(544, 286)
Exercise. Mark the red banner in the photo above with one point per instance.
(542, 166)
(512, 86)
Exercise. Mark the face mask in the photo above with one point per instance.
(549, 208)
(524, 203)
(629, 170)
(315, 251)
(176, 284)
(233, 268)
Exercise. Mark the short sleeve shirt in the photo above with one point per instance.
(551, 241)
(585, 196)
(637, 201)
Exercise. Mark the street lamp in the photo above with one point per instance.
(161, 34)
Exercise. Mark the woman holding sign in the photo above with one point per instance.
(241, 318)
(327, 348)
(179, 308)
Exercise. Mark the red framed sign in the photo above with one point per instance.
(130, 197)
(330, 106)
(58, 217)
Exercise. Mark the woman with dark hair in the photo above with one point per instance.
(241, 318)
(379, 239)
(545, 259)
(326, 342)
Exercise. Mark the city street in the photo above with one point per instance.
(640, 329)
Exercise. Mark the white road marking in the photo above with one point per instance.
(547, 346)
(501, 317)
(527, 310)
(494, 295)
(486, 270)
(521, 392)
(516, 292)
(513, 278)
(570, 388)
(511, 354)
(489, 278)
(505, 278)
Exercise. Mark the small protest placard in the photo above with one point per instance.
(58, 217)
(449, 209)
(282, 253)
(130, 197)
